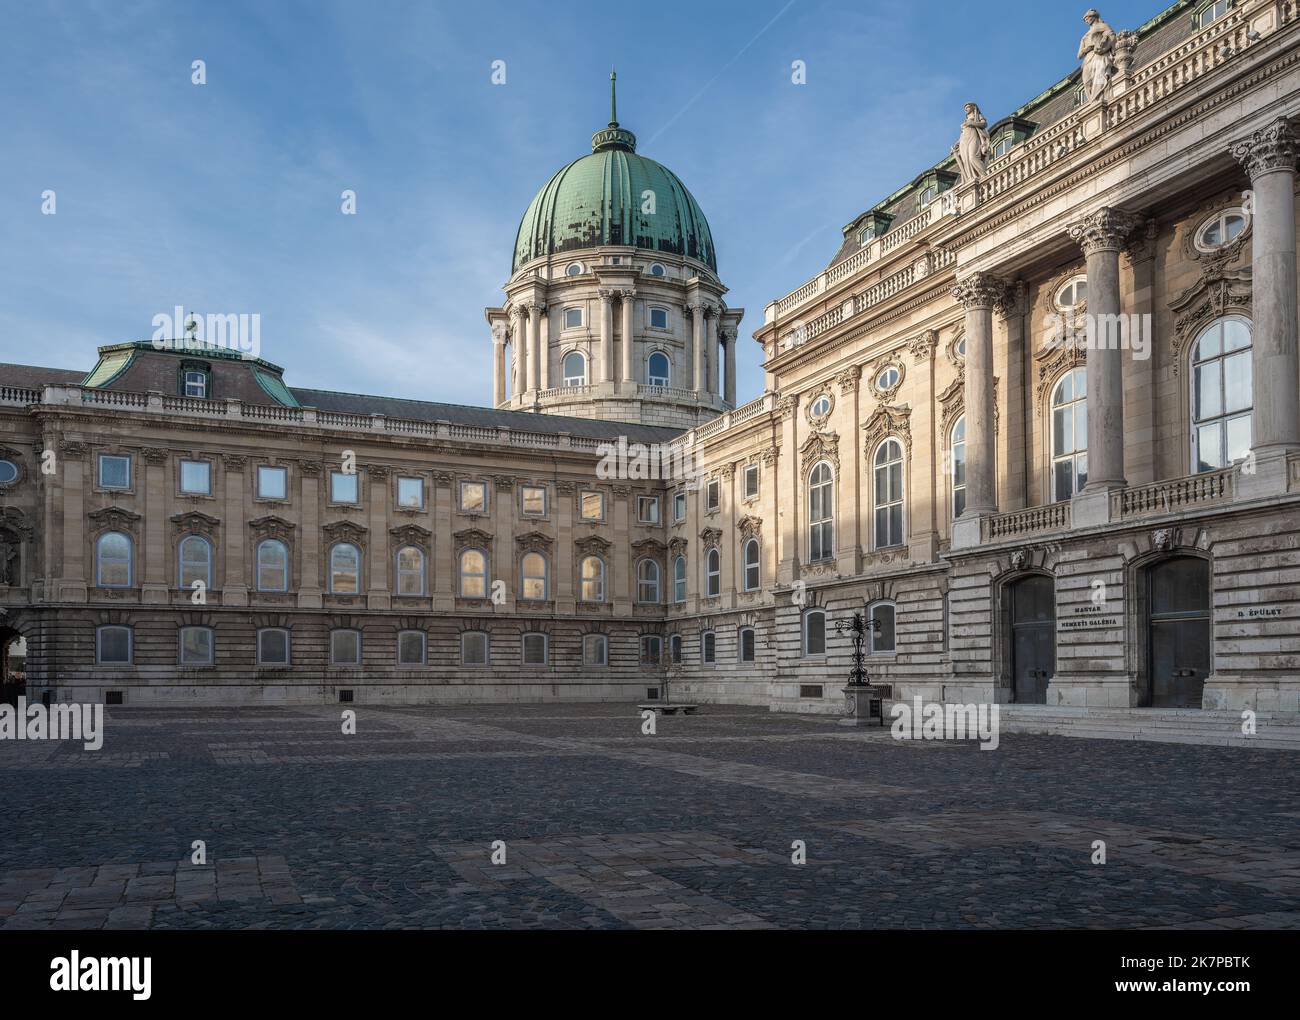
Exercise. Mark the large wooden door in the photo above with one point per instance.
(1178, 631)
(1033, 638)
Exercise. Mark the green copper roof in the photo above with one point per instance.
(600, 199)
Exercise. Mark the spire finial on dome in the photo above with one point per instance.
(613, 136)
(613, 106)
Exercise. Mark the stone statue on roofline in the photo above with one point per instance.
(973, 146)
(1096, 50)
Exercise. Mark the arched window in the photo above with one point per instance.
(410, 570)
(753, 576)
(595, 650)
(889, 493)
(658, 369)
(712, 573)
(113, 645)
(881, 615)
(474, 649)
(647, 582)
(273, 646)
(1212, 10)
(411, 648)
(195, 558)
(1069, 434)
(821, 513)
(196, 647)
(679, 579)
(708, 647)
(592, 576)
(675, 648)
(1221, 394)
(746, 644)
(473, 574)
(533, 569)
(575, 369)
(1072, 293)
(814, 632)
(957, 469)
(272, 565)
(113, 560)
(345, 647)
(345, 569)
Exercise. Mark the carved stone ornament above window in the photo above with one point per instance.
(271, 527)
(345, 531)
(1219, 292)
(887, 421)
(472, 538)
(534, 541)
(820, 446)
(195, 523)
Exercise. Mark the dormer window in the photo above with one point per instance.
(866, 235)
(1003, 145)
(1211, 12)
(195, 380)
(929, 194)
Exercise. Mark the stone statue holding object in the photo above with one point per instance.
(973, 146)
(1096, 50)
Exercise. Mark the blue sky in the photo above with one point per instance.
(225, 197)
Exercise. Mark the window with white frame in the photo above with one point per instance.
(410, 493)
(658, 318)
(572, 318)
(196, 646)
(595, 650)
(194, 558)
(821, 513)
(410, 570)
(345, 569)
(473, 574)
(1072, 293)
(746, 644)
(273, 646)
(196, 383)
(708, 648)
(1222, 229)
(658, 369)
(888, 470)
(343, 487)
(679, 579)
(749, 555)
(881, 615)
(592, 577)
(113, 645)
(929, 194)
(647, 582)
(474, 648)
(1222, 396)
(575, 369)
(1069, 434)
(1211, 11)
(272, 565)
(679, 507)
(114, 560)
(647, 509)
(814, 632)
(1003, 145)
(712, 573)
(272, 482)
(114, 471)
(750, 484)
(345, 647)
(533, 569)
(888, 377)
(712, 495)
(535, 649)
(957, 467)
(411, 647)
(821, 407)
(196, 477)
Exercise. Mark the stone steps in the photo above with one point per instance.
(1185, 726)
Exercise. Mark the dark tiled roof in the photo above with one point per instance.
(33, 377)
(1162, 32)
(487, 417)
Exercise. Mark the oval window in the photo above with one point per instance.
(8, 472)
(821, 407)
(887, 379)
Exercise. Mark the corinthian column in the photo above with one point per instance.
(498, 365)
(606, 334)
(1101, 235)
(1269, 156)
(978, 294)
(535, 344)
(521, 349)
(697, 343)
(728, 337)
(625, 297)
(712, 321)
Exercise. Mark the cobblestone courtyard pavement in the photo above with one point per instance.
(607, 828)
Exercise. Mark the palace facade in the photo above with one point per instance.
(1038, 417)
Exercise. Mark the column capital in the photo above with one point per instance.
(1104, 230)
(625, 292)
(533, 306)
(726, 334)
(607, 293)
(695, 306)
(980, 290)
(1268, 149)
(1013, 301)
(499, 333)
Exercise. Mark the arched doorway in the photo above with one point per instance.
(13, 653)
(1178, 631)
(1032, 614)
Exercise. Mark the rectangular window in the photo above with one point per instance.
(196, 477)
(658, 318)
(114, 471)
(572, 318)
(533, 500)
(196, 646)
(343, 487)
(474, 648)
(651, 649)
(592, 506)
(113, 646)
(814, 625)
(196, 384)
(593, 650)
(751, 481)
(679, 506)
(272, 647)
(272, 482)
(810, 690)
(410, 648)
(713, 496)
(410, 493)
(473, 497)
(647, 509)
(534, 649)
(345, 647)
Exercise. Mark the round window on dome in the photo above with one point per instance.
(656, 269)
(8, 472)
(573, 269)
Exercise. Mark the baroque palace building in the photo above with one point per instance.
(1028, 514)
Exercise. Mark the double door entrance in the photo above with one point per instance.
(1033, 638)
(1178, 632)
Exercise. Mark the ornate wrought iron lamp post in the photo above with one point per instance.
(862, 702)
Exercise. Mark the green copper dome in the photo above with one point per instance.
(599, 200)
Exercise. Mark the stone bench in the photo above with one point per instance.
(668, 708)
